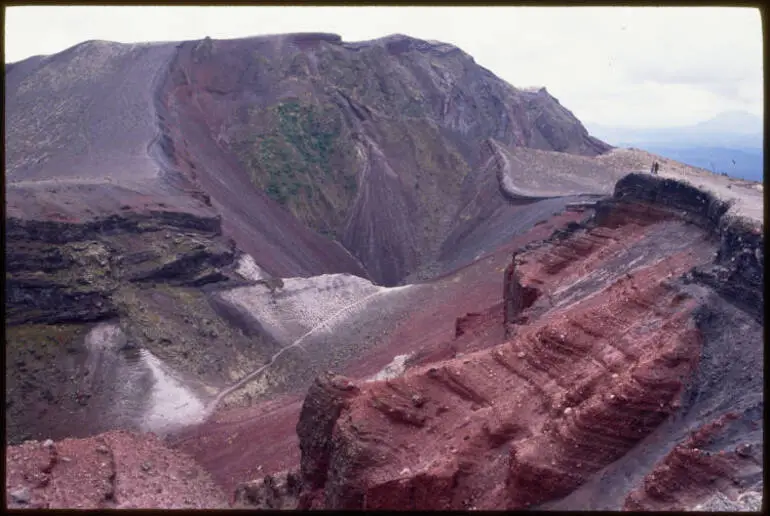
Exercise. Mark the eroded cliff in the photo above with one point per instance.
(613, 350)
(368, 143)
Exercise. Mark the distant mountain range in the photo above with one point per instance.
(729, 143)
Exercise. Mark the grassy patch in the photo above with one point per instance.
(303, 160)
(297, 149)
(312, 131)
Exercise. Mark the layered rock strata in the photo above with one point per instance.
(601, 364)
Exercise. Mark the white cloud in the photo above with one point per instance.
(611, 65)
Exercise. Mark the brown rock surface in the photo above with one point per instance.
(573, 391)
(112, 470)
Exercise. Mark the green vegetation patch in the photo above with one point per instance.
(311, 131)
(302, 160)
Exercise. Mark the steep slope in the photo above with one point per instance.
(134, 195)
(86, 140)
(622, 359)
(368, 143)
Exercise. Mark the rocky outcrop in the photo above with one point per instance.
(309, 120)
(112, 470)
(513, 295)
(40, 301)
(450, 427)
(84, 263)
(516, 297)
(280, 491)
(325, 400)
(737, 272)
(462, 324)
(56, 232)
(688, 201)
(579, 386)
(148, 276)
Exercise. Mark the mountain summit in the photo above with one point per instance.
(739, 122)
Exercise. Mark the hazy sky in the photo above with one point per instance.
(624, 66)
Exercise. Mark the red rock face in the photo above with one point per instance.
(598, 361)
(531, 419)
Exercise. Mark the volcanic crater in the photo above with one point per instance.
(277, 272)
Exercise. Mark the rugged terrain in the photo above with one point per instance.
(197, 232)
(621, 347)
(141, 195)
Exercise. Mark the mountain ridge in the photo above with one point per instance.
(197, 231)
(730, 143)
(338, 118)
(729, 128)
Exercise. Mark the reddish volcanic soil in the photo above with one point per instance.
(584, 384)
(691, 472)
(224, 444)
(429, 333)
(621, 276)
(113, 470)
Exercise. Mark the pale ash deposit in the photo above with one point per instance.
(303, 305)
